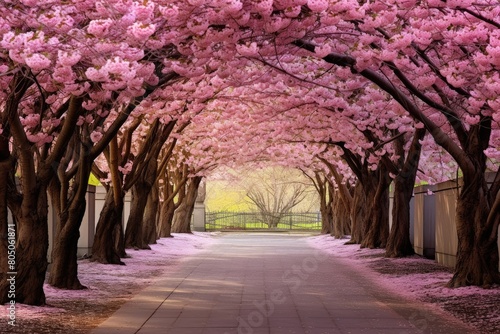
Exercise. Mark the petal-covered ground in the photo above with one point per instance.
(417, 278)
(110, 286)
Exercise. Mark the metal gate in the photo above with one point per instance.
(226, 220)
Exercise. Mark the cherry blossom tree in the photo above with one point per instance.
(463, 103)
(291, 72)
(442, 54)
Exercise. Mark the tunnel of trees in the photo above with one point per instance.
(153, 96)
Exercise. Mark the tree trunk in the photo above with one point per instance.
(325, 207)
(377, 218)
(337, 209)
(182, 215)
(342, 218)
(326, 218)
(134, 237)
(477, 254)
(166, 218)
(133, 233)
(477, 215)
(31, 250)
(273, 221)
(109, 232)
(64, 269)
(358, 214)
(7, 232)
(399, 243)
(70, 204)
(149, 221)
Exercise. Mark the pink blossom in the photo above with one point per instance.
(63, 74)
(141, 31)
(95, 136)
(198, 25)
(89, 105)
(31, 120)
(80, 121)
(472, 119)
(195, 3)
(170, 12)
(68, 59)
(323, 50)
(39, 138)
(127, 168)
(38, 62)
(100, 28)
(232, 6)
(144, 12)
(317, 5)
(30, 3)
(95, 74)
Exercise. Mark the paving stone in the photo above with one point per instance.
(263, 283)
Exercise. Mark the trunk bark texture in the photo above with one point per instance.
(64, 270)
(399, 243)
(109, 237)
(326, 218)
(133, 233)
(7, 232)
(342, 218)
(149, 231)
(182, 216)
(31, 251)
(325, 205)
(166, 218)
(477, 215)
(358, 214)
(377, 218)
(145, 181)
(477, 254)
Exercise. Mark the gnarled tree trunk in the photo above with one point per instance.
(149, 231)
(177, 179)
(6, 166)
(31, 250)
(358, 214)
(342, 218)
(145, 180)
(108, 246)
(399, 243)
(477, 216)
(182, 216)
(377, 215)
(477, 254)
(64, 270)
(165, 220)
(325, 204)
(326, 217)
(133, 233)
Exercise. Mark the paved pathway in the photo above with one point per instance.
(264, 283)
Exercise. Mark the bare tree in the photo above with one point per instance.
(276, 194)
